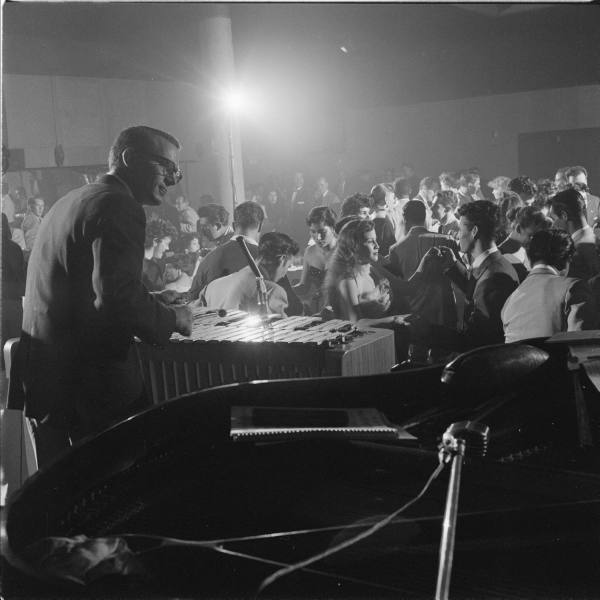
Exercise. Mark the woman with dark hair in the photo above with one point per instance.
(321, 222)
(356, 289)
(548, 302)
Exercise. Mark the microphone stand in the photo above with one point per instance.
(261, 286)
(453, 449)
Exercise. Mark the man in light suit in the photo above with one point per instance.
(548, 302)
(85, 301)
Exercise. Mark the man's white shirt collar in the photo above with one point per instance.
(580, 234)
(477, 262)
(544, 267)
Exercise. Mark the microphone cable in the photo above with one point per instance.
(349, 542)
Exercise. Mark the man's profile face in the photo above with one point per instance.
(559, 221)
(466, 237)
(151, 173)
(161, 247)
(38, 207)
(559, 180)
(322, 185)
(439, 211)
(210, 230)
(364, 212)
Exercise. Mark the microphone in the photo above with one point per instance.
(475, 436)
(242, 242)
(261, 287)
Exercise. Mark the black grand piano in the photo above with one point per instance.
(204, 516)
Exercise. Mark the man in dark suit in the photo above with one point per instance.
(85, 301)
(487, 283)
(432, 297)
(568, 213)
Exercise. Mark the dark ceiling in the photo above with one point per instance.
(397, 53)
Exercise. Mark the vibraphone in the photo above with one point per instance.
(237, 347)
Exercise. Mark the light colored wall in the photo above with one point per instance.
(86, 114)
(459, 134)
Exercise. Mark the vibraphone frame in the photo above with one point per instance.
(188, 365)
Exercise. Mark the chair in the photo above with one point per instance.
(19, 459)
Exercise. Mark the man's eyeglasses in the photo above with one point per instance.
(171, 169)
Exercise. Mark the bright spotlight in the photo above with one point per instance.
(234, 101)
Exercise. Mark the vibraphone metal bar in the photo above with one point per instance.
(237, 348)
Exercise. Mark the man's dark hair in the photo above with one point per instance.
(576, 170)
(448, 179)
(139, 138)
(343, 221)
(273, 245)
(429, 183)
(379, 193)
(553, 247)
(321, 214)
(446, 198)
(484, 214)
(402, 187)
(414, 212)
(569, 201)
(215, 214)
(523, 185)
(248, 215)
(185, 262)
(157, 229)
(353, 204)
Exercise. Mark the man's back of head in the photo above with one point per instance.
(402, 187)
(248, 217)
(553, 247)
(414, 214)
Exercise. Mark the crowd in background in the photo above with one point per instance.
(406, 253)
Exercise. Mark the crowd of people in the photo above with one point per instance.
(445, 265)
(441, 264)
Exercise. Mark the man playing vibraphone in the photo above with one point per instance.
(85, 300)
(239, 290)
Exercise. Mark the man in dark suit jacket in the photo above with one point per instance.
(84, 299)
(432, 298)
(487, 284)
(568, 213)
